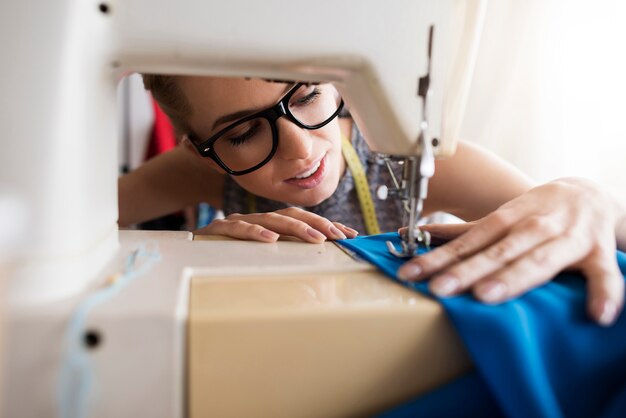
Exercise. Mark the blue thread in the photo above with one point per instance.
(76, 374)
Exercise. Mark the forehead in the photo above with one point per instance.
(212, 97)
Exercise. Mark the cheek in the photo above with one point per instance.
(332, 132)
(335, 139)
(329, 137)
(213, 165)
(258, 181)
(249, 183)
(335, 153)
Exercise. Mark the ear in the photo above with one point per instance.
(189, 147)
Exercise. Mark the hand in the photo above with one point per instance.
(267, 227)
(565, 224)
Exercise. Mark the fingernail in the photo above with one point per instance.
(409, 272)
(337, 233)
(608, 312)
(316, 234)
(445, 285)
(266, 233)
(493, 291)
(352, 231)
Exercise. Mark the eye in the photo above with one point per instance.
(309, 98)
(241, 139)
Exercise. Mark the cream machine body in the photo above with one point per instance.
(103, 322)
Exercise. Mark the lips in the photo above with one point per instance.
(309, 172)
(310, 177)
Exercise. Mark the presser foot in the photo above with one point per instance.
(422, 238)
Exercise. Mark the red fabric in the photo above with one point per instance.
(162, 138)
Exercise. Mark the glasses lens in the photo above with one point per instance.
(314, 104)
(245, 145)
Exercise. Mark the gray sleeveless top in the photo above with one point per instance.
(343, 205)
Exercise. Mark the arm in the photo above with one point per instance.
(165, 184)
(568, 223)
(473, 183)
(461, 189)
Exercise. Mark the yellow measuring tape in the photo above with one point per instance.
(362, 187)
(360, 182)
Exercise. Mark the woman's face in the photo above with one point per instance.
(307, 165)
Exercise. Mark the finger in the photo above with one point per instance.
(238, 229)
(282, 224)
(489, 229)
(522, 238)
(319, 223)
(534, 268)
(447, 232)
(605, 286)
(349, 232)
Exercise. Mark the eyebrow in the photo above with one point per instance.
(243, 113)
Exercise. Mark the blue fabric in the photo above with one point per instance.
(465, 397)
(539, 355)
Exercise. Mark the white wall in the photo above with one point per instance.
(136, 119)
(13, 218)
(549, 93)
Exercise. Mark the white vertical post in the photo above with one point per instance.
(58, 152)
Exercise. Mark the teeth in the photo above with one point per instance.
(310, 172)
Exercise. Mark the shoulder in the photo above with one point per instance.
(168, 183)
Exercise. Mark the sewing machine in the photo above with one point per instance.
(301, 330)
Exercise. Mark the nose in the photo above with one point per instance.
(294, 143)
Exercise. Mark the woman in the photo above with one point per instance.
(262, 147)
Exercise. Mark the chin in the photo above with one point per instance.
(312, 201)
(316, 196)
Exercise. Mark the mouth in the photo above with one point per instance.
(310, 177)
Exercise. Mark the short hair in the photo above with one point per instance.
(170, 97)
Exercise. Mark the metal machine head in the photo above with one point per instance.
(375, 53)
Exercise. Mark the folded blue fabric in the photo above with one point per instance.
(539, 355)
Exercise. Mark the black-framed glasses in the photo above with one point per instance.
(249, 143)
